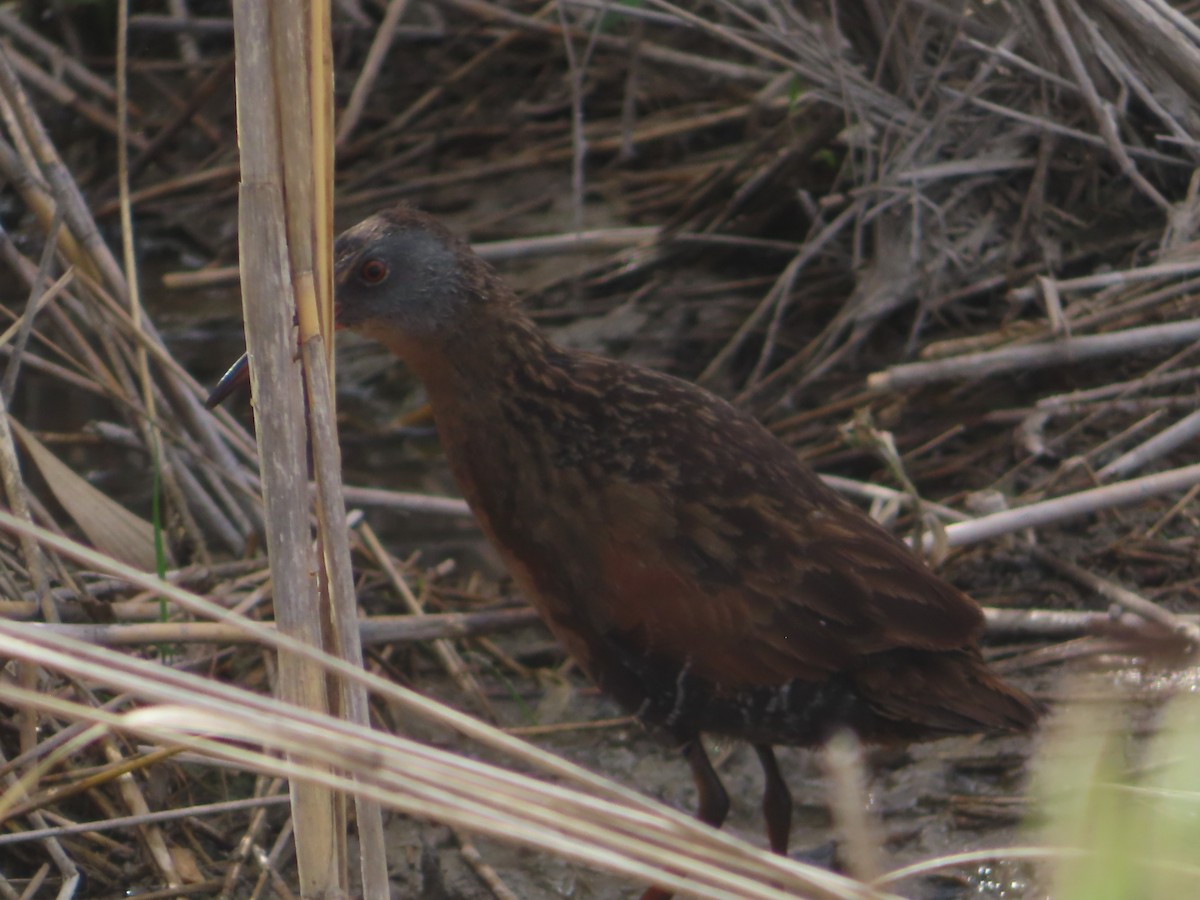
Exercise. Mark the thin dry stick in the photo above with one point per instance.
(1042, 123)
(373, 630)
(70, 872)
(175, 185)
(1120, 438)
(63, 96)
(370, 71)
(1126, 71)
(967, 531)
(972, 857)
(89, 779)
(1183, 503)
(54, 55)
(187, 114)
(1151, 612)
(485, 872)
(152, 836)
(56, 747)
(515, 248)
(166, 815)
(32, 886)
(1100, 110)
(1082, 503)
(1035, 356)
(446, 652)
(877, 492)
(36, 299)
(16, 491)
(704, 63)
(249, 841)
(407, 502)
(1056, 624)
(45, 160)
(1103, 280)
(14, 485)
(726, 34)
(270, 865)
(571, 242)
(782, 284)
(1141, 384)
(567, 727)
(141, 357)
(435, 93)
(579, 147)
(452, 506)
(862, 845)
(540, 159)
(1156, 447)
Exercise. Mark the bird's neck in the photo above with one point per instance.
(478, 382)
(470, 367)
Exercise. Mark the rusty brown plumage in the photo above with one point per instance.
(693, 566)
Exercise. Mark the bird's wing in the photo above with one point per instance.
(638, 505)
(766, 576)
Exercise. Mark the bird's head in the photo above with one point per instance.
(402, 278)
(405, 280)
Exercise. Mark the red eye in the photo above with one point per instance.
(373, 271)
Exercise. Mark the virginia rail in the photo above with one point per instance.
(696, 570)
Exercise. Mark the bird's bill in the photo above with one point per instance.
(234, 380)
(238, 376)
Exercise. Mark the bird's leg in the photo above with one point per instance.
(777, 800)
(714, 801)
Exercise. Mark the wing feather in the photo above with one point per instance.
(692, 535)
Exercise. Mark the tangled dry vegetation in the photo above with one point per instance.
(947, 250)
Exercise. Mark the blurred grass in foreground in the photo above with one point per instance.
(1132, 804)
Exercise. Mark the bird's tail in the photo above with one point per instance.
(945, 693)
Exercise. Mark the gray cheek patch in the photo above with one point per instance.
(425, 292)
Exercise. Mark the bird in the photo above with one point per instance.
(698, 572)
